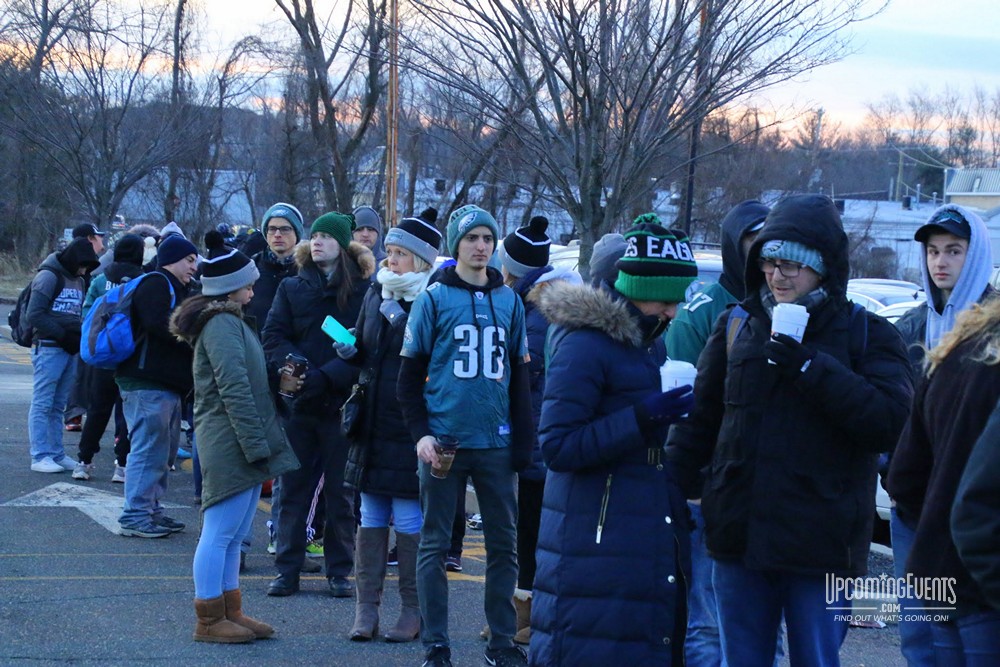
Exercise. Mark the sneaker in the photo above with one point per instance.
(512, 656)
(82, 470)
(475, 521)
(119, 475)
(437, 656)
(314, 549)
(172, 525)
(150, 531)
(74, 424)
(392, 558)
(46, 465)
(67, 463)
(183, 453)
(453, 563)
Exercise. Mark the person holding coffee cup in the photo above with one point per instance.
(613, 546)
(791, 448)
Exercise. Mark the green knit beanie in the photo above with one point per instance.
(658, 264)
(338, 225)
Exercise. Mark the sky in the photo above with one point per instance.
(913, 44)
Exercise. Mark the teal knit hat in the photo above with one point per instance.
(658, 264)
(793, 251)
(338, 225)
(465, 219)
(286, 211)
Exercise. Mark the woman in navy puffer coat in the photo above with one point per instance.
(613, 550)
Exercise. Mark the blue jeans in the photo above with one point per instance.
(969, 641)
(494, 479)
(703, 647)
(914, 636)
(376, 509)
(54, 371)
(154, 424)
(217, 558)
(750, 605)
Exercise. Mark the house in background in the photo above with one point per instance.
(976, 188)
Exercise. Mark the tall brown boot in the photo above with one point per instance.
(408, 626)
(369, 576)
(522, 605)
(234, 613)
(212, 624)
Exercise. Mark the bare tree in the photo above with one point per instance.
(345, 84)
(610, 86)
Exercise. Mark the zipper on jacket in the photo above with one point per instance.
(604, 508)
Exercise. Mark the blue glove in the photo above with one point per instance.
(345, 350)
(791, 357)
(313, 385)
(665, 408)
(392, 311)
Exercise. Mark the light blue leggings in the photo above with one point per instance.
(217, 558)
(376, 509)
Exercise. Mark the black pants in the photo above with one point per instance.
(103, 400)
(458, 527)
(320, 449)
(529, 520)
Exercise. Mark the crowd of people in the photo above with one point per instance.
(624, 521)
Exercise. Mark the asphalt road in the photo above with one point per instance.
(71, 591)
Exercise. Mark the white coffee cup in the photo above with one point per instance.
(675, 374)
(790, 319)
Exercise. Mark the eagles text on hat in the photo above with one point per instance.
(656, 246)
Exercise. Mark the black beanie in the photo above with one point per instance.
(527, 248)
(226, 269)
(129, 249)
(658, 264)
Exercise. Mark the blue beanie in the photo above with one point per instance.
(289, 213)
(173, 248)
(465, 219)
(793, 251)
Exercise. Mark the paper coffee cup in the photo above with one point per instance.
(675, 374)
(790, 319)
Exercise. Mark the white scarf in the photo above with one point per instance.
(406, 286)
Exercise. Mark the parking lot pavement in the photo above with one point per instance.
(73, 591)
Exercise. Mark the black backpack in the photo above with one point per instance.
(21, 332)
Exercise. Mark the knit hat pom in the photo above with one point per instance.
(658, 264)
(215, 242)
(429, 214)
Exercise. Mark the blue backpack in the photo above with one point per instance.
(108, 338)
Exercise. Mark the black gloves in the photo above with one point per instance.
(665, 408)
(790, 356)
(313, 385)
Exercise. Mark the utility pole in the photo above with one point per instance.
(392, 118)
(899, 177)
(700, 63)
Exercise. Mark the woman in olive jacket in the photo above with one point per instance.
(240, 440)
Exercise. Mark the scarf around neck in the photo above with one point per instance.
(810, 301)
(406, 286)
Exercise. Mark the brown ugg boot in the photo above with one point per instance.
(212, 625)
(369, 576)
(522, 605)
(234, 613)
(408, 626)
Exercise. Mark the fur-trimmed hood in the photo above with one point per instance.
(362, 258)
(190, 318)
(584, 307)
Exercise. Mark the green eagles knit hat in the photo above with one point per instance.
(465, 219)
(793, 251)
(338, 225)
(658, 264)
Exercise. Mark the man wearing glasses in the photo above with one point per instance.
(791, 447)
(282, 227)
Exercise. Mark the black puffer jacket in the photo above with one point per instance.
(384, 461)
(272, 272)
(297, 313)
(791, 482)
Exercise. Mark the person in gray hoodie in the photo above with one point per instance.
(368, 231)
(54, 312)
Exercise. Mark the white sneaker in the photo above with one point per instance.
(47, 465)
(67, 463)
(119, 476)
(83, 470)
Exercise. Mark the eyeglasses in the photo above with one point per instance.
(271, 230)
(787, 269)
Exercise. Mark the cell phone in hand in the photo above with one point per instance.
(335, 330)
